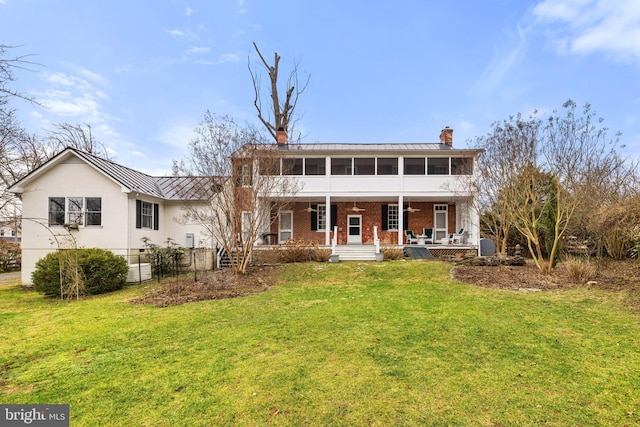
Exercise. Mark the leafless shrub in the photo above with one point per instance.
(392, 253)
(580, 271)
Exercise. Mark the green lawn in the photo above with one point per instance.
(347, 344)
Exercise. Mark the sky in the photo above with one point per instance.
(143, 73)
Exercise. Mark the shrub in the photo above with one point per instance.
(101, 270)
(580, 271)
(392, 253)
(296, 251)
(164, 260)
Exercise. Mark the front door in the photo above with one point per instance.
(285, 226)
(354, 229)
(441, 218)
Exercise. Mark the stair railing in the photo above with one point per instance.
(334, 241)
(376, 239)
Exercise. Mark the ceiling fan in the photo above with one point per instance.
(309, 209)
(354, 208)
(410, 209)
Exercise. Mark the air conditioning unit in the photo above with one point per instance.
(139, 273)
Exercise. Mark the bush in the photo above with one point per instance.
(580, 271)
(101, 270)
(392, 253)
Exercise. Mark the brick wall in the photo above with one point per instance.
(371, 216)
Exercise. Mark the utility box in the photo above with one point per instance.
(190, 241)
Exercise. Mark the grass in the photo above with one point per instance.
(347, 344)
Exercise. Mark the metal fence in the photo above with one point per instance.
(147, 265)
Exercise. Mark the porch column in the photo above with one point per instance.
(400, 220)
(327, 231)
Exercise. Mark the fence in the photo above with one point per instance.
(165, 264)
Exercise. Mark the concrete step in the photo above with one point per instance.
(356, 252)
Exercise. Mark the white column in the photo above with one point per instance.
(327, 232)
(400, 220)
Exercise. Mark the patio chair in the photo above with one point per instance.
(428, 235)
(410, 237)
(458, 237)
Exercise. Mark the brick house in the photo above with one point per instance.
(352, 193)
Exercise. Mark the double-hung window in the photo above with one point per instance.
(147, 215)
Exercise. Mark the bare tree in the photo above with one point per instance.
(506, 149)
(559, 164)
(77, 136)
(14, 140)
(280, 115)
(236, 174)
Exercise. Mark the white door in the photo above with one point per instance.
(441, 219)
(354, 229)
(285, 226)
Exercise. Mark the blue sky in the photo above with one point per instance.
(143, 73)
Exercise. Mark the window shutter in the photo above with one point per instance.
(405, 216)
(334, 216)
(138, 213)
(314, 218)
(156, 216)
(385, 217)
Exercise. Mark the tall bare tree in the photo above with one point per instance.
(280, 113)
(14, 140)
(235, 171)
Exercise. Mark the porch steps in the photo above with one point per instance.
(356, 252)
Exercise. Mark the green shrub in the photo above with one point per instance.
(101, 270)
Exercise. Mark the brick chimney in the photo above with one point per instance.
(446, 136)
(281, 136)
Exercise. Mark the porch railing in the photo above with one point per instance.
(334, 241)
(376, 240)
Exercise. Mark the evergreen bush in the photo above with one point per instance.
(101, 270)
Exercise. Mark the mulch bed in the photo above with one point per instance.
(621, 276)
(220, 284)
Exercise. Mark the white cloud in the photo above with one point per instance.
(198, 50)
(589, 26)
(241, 7)
(188, 11)
(504, 59)
(177, 134)
(175, 32)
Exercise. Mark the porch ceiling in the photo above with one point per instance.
(365, 198)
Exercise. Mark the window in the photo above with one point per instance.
(314, 166)
(79, 210)
(93, 211)
(414, 165)
(461, 166)
(390, 217)
(1, 232)
(285, 226)
(291, 166)
(438, 166)
(322, 217)
(387, 166)
(364, 166)
(269, 166)
(244, 176)
(74, 210)
(56, 210)
(340, 166)
(246, 225)
(147, 215)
